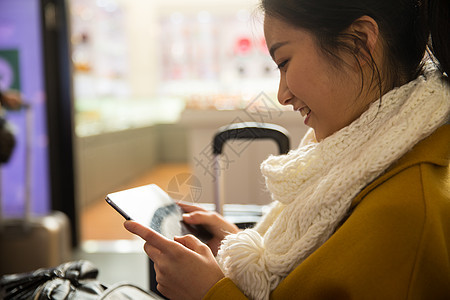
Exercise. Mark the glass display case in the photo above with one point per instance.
(139, 63)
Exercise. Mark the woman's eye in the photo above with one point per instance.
(283, 64)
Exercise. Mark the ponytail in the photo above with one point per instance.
(439, 24)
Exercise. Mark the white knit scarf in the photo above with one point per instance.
(313, 186)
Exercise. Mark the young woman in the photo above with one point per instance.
(362, 208)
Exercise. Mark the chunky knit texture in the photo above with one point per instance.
(313, 186)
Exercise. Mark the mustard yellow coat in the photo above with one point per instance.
(394, 245)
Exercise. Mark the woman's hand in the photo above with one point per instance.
(212, 221)
(185, 268)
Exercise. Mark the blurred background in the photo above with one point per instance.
(124, 93)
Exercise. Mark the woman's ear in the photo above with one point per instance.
(366, 37)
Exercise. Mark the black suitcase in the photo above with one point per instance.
(31, 242)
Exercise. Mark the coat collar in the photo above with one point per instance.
(434, 149)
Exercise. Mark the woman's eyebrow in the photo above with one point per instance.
(275, 47)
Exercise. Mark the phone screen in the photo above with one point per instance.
(154, 208)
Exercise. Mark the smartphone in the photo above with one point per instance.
(153, 207)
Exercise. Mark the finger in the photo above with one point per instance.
(200, 217)
(189, 207)
(192, 243)
(163, 290)
(164, 283)
(152, 252)
(213, 222)
(150, 236)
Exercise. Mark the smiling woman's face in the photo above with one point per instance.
(328, 97)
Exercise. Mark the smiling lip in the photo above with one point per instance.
(305, 112)
(307, 118)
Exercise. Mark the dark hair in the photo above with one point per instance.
(406, 27)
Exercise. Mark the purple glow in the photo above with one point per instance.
(20, 27)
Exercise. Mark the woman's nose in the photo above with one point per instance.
(284, 94)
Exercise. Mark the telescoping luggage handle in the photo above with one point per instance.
(248, 131)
